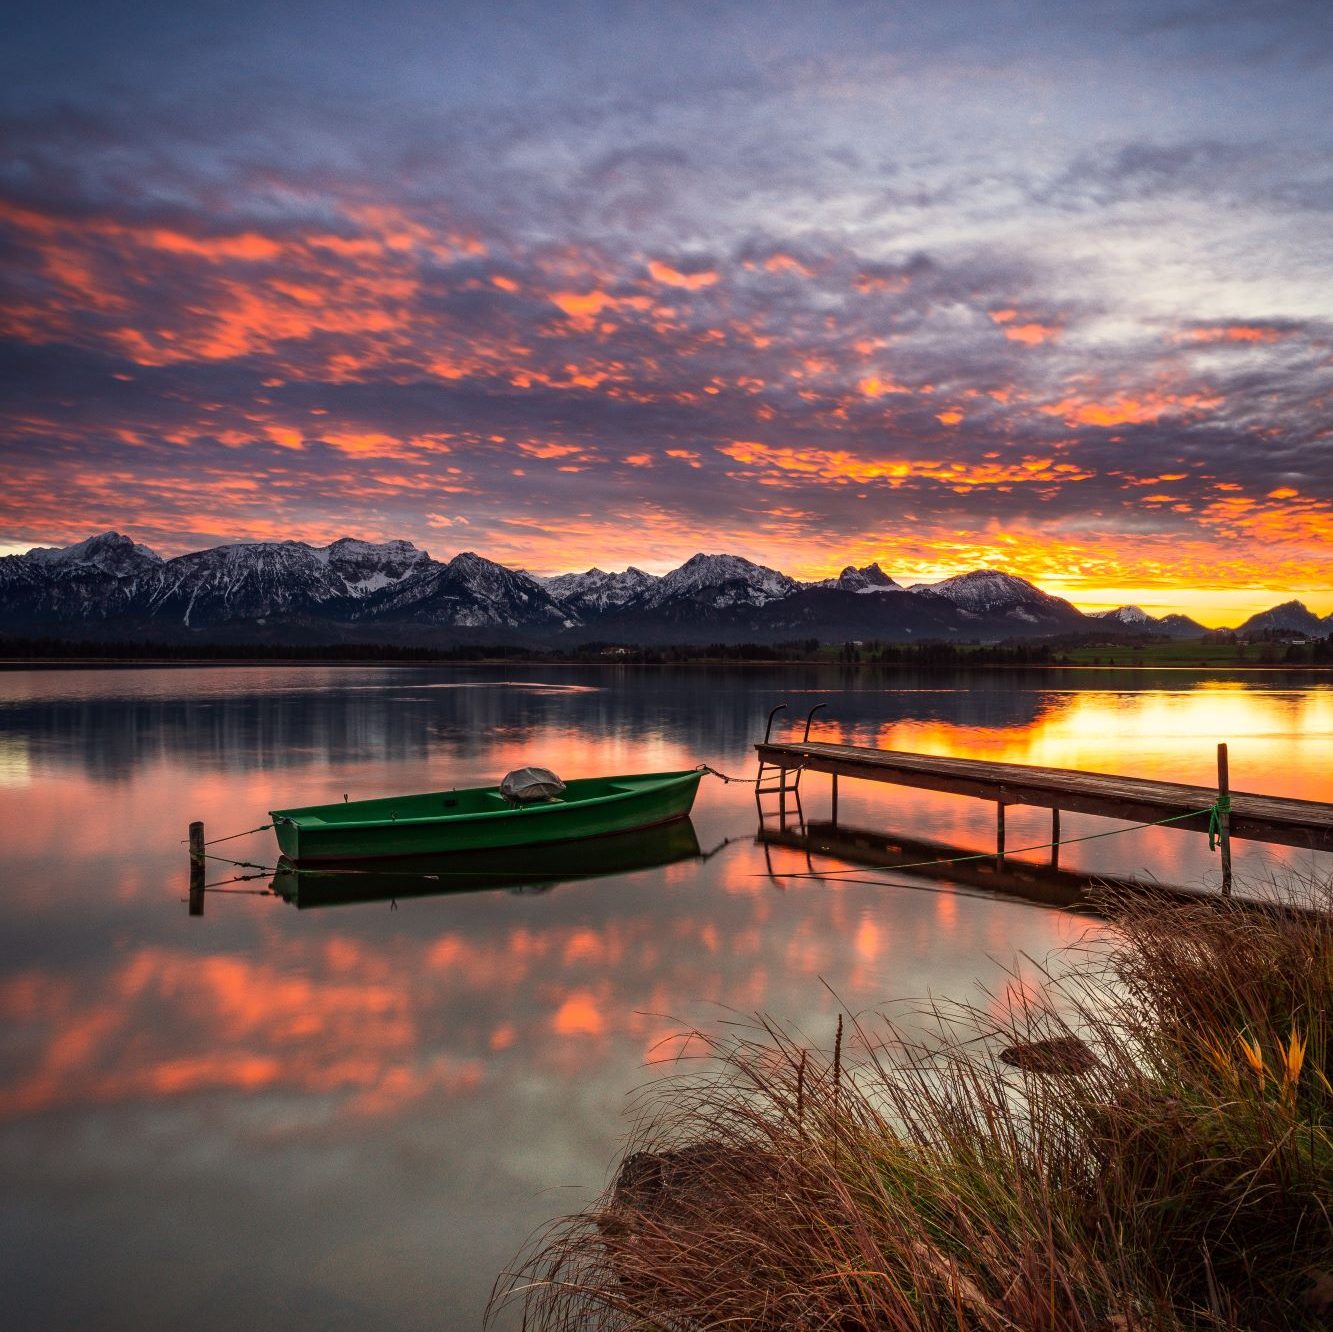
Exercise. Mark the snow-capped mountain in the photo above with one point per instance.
(717, 581)
(1126, 615)
(594, 591)
(990, 592)
(366, 566)
(266, 578)
(108, 576)
(248, 582)
(94, 580)
(868, 578)
(109, 586)
(108, 552)
(1136, 619)
(1290, 617)
(468, 593)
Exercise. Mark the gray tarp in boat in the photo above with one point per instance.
(526, 786)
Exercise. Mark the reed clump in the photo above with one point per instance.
(1146, 1145)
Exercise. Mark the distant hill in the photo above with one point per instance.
(1292, 616)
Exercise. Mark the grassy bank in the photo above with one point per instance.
(1146, 1143)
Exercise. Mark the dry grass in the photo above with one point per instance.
(1181, 1179)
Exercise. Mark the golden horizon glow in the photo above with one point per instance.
(1246, 593)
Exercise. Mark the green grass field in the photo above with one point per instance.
(1176, 652)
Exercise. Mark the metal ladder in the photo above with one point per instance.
(773, 777)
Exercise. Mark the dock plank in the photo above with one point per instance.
(1254, 816)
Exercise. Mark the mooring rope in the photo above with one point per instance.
(744, 781)
(235, 878)
(241, 864)
(231, 837)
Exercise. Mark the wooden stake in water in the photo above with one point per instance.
(196, 869)
(1224, 816)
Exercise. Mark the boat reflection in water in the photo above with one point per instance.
(530, 868)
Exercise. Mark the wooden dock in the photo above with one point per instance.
(1260, 818)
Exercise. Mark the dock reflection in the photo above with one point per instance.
(1045, 884)
(532, 869)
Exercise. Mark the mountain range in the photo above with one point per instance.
(110, 587)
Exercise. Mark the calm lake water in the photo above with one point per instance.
(354, 1115)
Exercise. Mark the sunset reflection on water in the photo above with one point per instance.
(356, 1112)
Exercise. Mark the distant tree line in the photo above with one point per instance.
(870, 652)
(144, 650)
(1317, 652)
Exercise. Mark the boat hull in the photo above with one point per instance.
(477, 819)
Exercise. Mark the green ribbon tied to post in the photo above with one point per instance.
(1222, 805)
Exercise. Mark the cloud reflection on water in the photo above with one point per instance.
(354, 1108)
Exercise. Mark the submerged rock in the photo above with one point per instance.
(1061, 1056)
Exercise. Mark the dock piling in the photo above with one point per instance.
(999, 834)
(1224, 815)
(1055, 837)
(197, 869)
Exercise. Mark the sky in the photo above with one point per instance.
(1038, 286)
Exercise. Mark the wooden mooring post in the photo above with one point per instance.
(1224, 816)
(197, 868)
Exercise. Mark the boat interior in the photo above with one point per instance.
(470, 800)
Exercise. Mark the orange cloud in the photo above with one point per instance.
(582, 307)
(214, 248)
(370, 444)
(872, 386)
(1234, 333)
(1123, 410)
(841, 467)
(1031, 334)
(674, 278)
(549, 450)
(1030, 331)
(786, 263)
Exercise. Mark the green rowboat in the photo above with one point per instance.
(480, 818)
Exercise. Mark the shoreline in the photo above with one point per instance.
(1067, 1147)
(857, 667)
